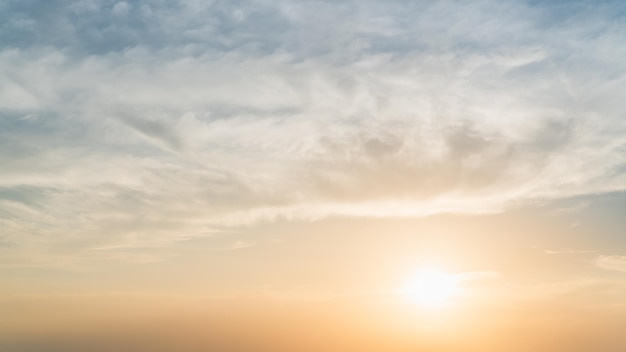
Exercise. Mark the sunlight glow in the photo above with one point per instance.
(432, 288)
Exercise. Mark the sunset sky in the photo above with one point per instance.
(314, 175)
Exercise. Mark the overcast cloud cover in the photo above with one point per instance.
(142, 123)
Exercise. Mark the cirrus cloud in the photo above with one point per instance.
(142, 124)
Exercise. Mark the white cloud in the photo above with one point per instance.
(611, 262)
(170, 120)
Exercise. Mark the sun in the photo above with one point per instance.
(432, 288)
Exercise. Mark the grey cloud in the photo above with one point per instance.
(468, 160)
(5, 243)
(153, 128)
(314, 28)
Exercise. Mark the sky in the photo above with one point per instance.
(269, 175)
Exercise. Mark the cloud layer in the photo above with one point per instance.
(129, 124)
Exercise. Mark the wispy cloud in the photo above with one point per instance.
(611, 262)
(125, 122)
(478, 275)
(568, 251)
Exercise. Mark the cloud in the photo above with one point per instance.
(575, 208)
(132, 123)
(478, 276)
(568, 251)
(611, 262)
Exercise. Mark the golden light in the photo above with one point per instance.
(432, 288)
